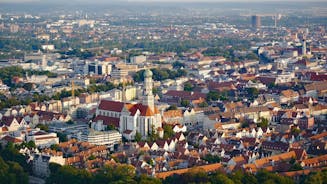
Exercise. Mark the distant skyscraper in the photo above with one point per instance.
(256, 21)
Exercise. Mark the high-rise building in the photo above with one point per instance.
(256, 21)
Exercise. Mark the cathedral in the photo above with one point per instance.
(130, 118)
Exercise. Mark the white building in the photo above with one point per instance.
(43, 139)
(130, 118)
(138, 59)
(109, 138)
(41, 163)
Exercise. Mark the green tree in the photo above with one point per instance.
(252, 92)
(12, 172)
(31, 144)
(17, 173)
(92, 157)
(263, 123)
(62, 137)
(213, 96)
(185, 103)
(195, 175)
(168, 131)
(43, 127)
(296, 167)
(28, 86)
(55, 147)
(178, 64)
(144, 179)
(188, 86)
(70, 122)
(219, 178)
(203, 104)
(212, 158)
(249, 179)
(138, 136)
(172, 107)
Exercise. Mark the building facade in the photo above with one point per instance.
(130, 118)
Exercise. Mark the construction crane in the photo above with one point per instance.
(73, 89)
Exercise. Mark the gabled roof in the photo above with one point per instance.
(7, 120)
(144, 109)
(115, 106)
(173, 113)
(185, 94)
(11, 139)
(107, 120)
(109, 105)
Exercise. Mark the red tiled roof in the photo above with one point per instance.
(118, 106)
(206, 168)
(7, 120)
(186, 94)
(144, 110)
(111, 105)
(127, 131)
(107, 120)
(4, 129)
(40, 133)
(11, 139)
(43, 138)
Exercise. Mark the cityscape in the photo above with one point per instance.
(163, 92)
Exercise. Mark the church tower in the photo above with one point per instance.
(148, 98)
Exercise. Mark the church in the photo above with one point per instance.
(130, 118)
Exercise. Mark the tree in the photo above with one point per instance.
(28, 86)
(62, 137)
(211, 158)
(92, 157)
(219, 178)
(188, 86)
(172, 107)
(263, 122)
(17, 172)
(31, 144)
(203, 104)
(252, 92)
(111, 127)
(267, 177)
(168, 131)
(55, 147)
(249, 179)
(213, 96)
(152, 135)
(295, 130)
(12, 172)
(69, 174)
(70, 122)
(185, 103)
(178, 64)
(144, 179)
(138, 136)
(43, 127)
(195, 175)
(115, 174)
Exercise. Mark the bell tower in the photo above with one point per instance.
(148, 98)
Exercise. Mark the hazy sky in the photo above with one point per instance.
(98, 1)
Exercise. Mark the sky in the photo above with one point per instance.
(99, 1)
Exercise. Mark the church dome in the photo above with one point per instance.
(147, 73)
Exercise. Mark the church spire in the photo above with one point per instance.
(148, 98)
